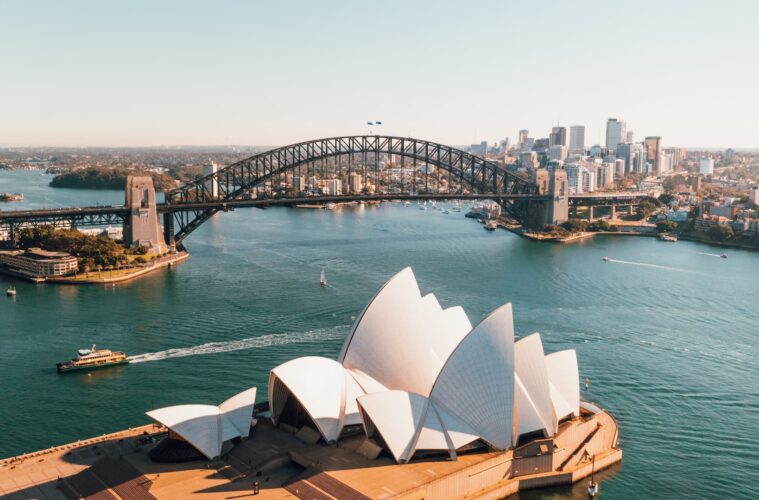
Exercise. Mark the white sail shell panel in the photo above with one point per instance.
(564, 377)
(476, 385)
(526, 414)
(530, 367)
(199, 425)
(396, 415)
(239, 409)
(403, 339)
(319, 385)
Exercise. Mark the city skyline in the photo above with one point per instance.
(102, 75)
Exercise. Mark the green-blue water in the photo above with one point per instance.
(666, 332)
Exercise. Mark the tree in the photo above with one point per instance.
(666, 198)
(666, 226)
(575, 225)
(722, 232)
(645, 208)
(599, 226)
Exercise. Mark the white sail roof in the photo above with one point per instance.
(530, 367)
(564, 382)
(424, 379)
(206, 427)
(476, 385)
(238, 410)
(199, 425)
(526, 415)
(409, 422)
(402, 339)
(322, 387)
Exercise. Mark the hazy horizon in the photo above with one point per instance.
(144, 74)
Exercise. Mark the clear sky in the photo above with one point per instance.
(143, 73)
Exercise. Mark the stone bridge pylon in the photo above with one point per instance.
(142, 226)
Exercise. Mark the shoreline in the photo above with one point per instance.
(517, 229)
(170, 261)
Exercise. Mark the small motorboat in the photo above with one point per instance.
(323, 279)
(724, 256)
(446, 211)
(491, 225)
(668, 237)
(11, 291)
(605, 259)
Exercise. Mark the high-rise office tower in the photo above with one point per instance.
(616, 132)
(629, 136)
(354, 182)
(557, 152)
(558, 136)
(212, 184)
(625, 151)
(577, 138)
(523, 134)
(653, 150)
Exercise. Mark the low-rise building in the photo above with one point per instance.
(706, 222)
(38, 263)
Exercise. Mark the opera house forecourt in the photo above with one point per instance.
(418, 404)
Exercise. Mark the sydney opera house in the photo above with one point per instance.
(419, 403)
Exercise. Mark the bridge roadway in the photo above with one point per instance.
(103, 214)
(117, 214)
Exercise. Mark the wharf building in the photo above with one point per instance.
(37, 264)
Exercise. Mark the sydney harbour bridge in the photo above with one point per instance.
(389, 168)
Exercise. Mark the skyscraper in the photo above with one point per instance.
(558, 136)
(354, 182)
(557, 152)
(625, 152)
(653, 150)
(616, 132)
(577, 138)
(523, 134)
(212, 184)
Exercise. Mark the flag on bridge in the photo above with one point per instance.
(378, 123)
(369, 123)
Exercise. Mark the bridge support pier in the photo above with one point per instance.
(613, 212)
(141, 227)
(554, 210)
(591, 213)
(168, 230)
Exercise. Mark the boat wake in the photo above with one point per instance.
(644, 264)
(275, 339)
(710, 254)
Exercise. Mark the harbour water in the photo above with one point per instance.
(667, 333)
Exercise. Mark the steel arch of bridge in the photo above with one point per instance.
(234, 181)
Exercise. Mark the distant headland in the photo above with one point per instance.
(107, 178)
